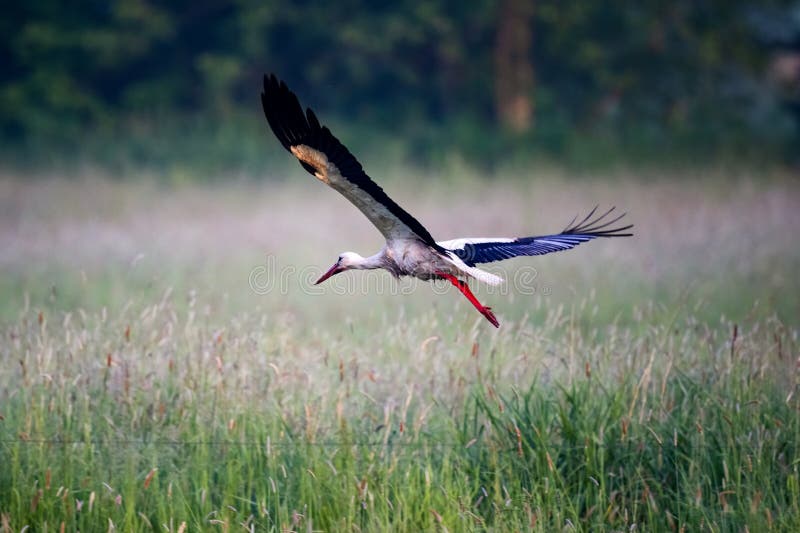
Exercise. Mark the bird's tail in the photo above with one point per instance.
(477, 273)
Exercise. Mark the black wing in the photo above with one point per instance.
(486, 250)
(325, 157)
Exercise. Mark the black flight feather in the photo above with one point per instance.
(293, 127)
(574, 234)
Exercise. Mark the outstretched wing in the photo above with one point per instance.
(486, 250)
(328, 160)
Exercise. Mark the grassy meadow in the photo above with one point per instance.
(167, 364)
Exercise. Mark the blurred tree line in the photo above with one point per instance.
(151, 82)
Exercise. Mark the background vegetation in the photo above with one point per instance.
(135, 83)
(148, 381)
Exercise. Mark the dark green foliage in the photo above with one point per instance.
(120, 83)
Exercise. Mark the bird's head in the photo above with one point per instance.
(346, 261)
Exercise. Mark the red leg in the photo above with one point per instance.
(464, 288)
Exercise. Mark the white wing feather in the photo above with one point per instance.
(477, 273)
(458, 244)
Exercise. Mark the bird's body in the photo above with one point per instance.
(410, 250)
(406, 257)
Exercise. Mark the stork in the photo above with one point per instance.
(410, 250)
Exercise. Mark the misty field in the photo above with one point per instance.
(167, 364)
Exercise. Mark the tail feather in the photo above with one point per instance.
(477, 273)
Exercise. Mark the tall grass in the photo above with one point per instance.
(154, 418)
(608, 403)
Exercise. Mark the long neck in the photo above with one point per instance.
(372, 262)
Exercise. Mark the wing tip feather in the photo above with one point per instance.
(596, 227)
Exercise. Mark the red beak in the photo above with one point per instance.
(335, 269)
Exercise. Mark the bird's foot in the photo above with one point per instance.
(464, 288)
(487, 312)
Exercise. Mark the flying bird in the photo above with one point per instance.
(410, 250)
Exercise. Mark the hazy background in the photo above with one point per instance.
(136, 160)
